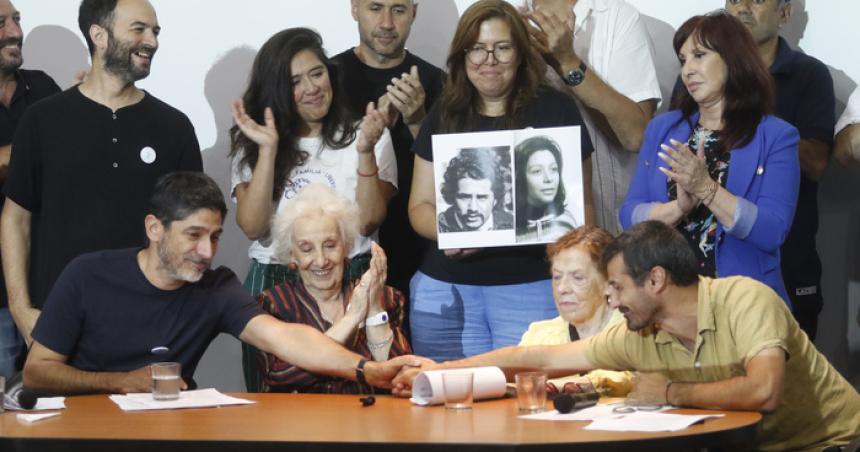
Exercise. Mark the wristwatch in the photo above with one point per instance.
(359, 371)
(575, 76)
(378, 319)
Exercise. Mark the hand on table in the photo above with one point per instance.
(403, 381)
(380, 374)
(649, 388)
(139, 380)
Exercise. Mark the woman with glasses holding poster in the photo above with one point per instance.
(469, 301)
(718, 167)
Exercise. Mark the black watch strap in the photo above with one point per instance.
(575, 76)
(359, 372)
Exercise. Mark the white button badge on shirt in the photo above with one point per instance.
(147, 155)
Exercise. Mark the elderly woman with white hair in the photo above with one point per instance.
(315, 233)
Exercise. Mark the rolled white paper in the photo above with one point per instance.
(487, 383)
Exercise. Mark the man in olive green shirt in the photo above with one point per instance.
(727, 343)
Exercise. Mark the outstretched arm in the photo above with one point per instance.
(555, 360)
(311, 350)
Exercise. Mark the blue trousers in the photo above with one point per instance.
(11, 344)
(452, 321)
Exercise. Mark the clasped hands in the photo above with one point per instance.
(404, 97)
(552, 36)
(689, 171)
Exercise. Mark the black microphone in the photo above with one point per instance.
(27, 399)
(367, 401)
(565, 403)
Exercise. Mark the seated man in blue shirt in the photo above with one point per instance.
(113, 313)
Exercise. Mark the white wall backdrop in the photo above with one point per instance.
(207, 46)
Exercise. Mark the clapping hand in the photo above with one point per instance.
(365, 299)
(372, 126)
(265, 135)
(687, 169)
(407, 95)
(552, 35)
(375, 277)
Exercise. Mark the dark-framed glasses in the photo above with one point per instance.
(503, 53)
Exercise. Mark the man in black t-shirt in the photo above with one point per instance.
(381, 70)
(19, 88)
(113, 313)
(85, 160)
(804, 99)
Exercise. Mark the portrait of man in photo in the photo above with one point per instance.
(476, 184)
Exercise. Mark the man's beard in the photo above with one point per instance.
(9, 65)
(172, 265)
(119, 60)
(394, 53)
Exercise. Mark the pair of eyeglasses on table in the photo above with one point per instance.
(624, 408)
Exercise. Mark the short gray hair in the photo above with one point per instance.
(315, 199)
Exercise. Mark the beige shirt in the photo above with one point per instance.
(738, 317)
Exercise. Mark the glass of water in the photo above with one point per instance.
(166, 380)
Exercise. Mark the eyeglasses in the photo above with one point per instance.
(503, 53)
(627, 409)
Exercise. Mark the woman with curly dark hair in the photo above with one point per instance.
(292, 129)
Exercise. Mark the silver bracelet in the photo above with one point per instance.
(373, 346)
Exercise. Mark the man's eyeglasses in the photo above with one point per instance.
(503, 53)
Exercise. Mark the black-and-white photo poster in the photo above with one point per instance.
(512, 187)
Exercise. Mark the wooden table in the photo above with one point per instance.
(289, 422)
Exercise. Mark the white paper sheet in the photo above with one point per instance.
(30, 418)
(42, 403)
(643, 421)
(487, 383)
(593, 413)
(200, 398)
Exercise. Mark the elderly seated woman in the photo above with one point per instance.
(578, 288)
(366, 317)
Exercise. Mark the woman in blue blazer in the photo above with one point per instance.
(717, 166)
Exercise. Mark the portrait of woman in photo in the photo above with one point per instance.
(541, 214)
